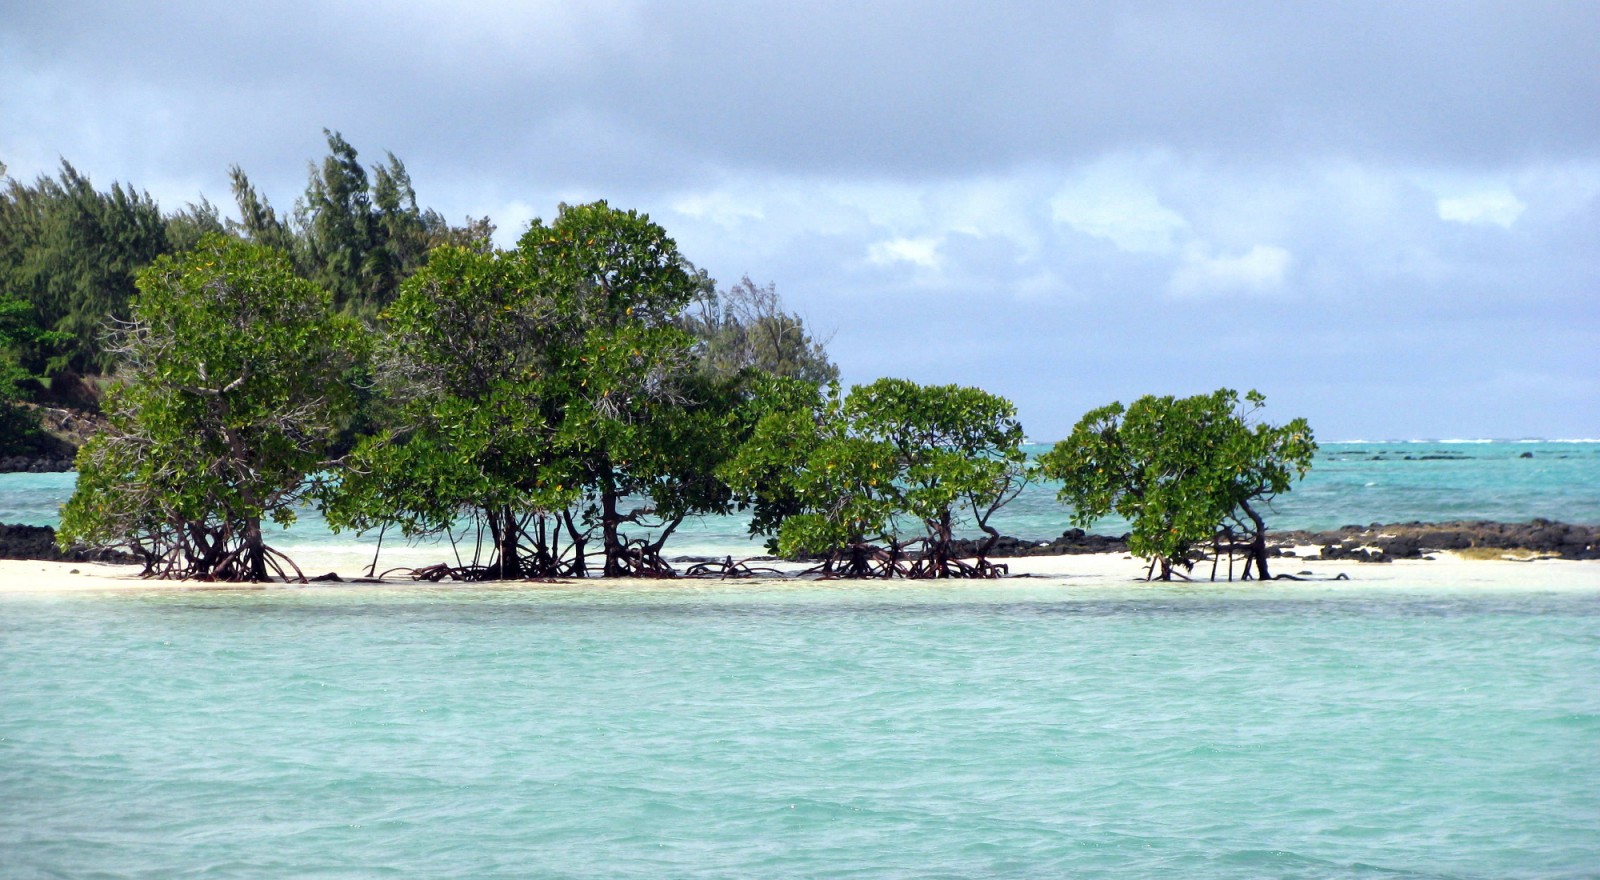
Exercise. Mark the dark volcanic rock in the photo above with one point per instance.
(1354, 553)
(28, 542)
(1404, 547)
(39, 542)
(1072, 542)
(1416, 539)
(1378, 542)
(27, 464)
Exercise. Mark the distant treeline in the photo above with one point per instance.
(69, 253)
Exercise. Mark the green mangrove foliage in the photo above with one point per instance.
(462, 366)
(572, 400)
(879, 481)
(357, 236)
(1187, 473)
(550, 393)
(234, 377)
(619, 283)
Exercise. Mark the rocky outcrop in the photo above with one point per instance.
(1071, 542)
(52, 448)
(29, 464)
(1375, 543)
(39, 542)
(1384, 542)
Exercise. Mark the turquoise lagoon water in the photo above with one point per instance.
(1350, 483)
(1022, 728)
(1002, 730)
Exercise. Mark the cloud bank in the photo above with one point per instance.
(1382, 215)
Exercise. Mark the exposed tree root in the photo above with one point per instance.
(212, 554)
(863, 560)
(729, 568)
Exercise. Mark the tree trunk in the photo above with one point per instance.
(255, 556)
(653, 551)
(859, 560)
(1258, 544)
(988, 544)
(941, 549)
(503, 531)
(609, 520)
(201, 551)
(579, 541)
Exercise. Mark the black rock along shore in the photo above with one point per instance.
(1383, 542)
(1378, 542)
(39, 542)
(28, 464)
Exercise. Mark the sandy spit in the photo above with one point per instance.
(1446, 571)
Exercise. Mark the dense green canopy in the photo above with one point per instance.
(550, 393)
(845, 474)
(235, 378)
(1180, 470)
(745, 327)
(70, 251)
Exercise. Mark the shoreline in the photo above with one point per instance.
(1475, 540)
(1447, 571)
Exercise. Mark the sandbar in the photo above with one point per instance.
(1446, 571)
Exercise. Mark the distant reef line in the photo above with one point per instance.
(1376, 543)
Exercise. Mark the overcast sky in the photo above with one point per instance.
(1385, 216)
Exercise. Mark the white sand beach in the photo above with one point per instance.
(1446, 572)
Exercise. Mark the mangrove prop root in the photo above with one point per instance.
(871, 561)
(728, 568)
(212, 554)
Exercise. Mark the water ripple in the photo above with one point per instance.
(800, 732)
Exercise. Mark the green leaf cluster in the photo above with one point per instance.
(890, 462)
(355, 233)
(235, 377)
(1179, 469)
(19, 427)
(70, 251)
(587, 388)
(547, 391)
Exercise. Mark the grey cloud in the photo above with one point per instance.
(1310, 128)
(903, 89)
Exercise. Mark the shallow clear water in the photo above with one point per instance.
(1350, 483)
(1020, 729)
